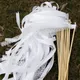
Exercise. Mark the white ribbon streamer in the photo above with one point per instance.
(32, 56)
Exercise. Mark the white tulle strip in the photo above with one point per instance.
(32, 55)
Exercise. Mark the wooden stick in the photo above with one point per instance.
(64, 51)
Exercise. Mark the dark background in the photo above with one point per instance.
(8, 28)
